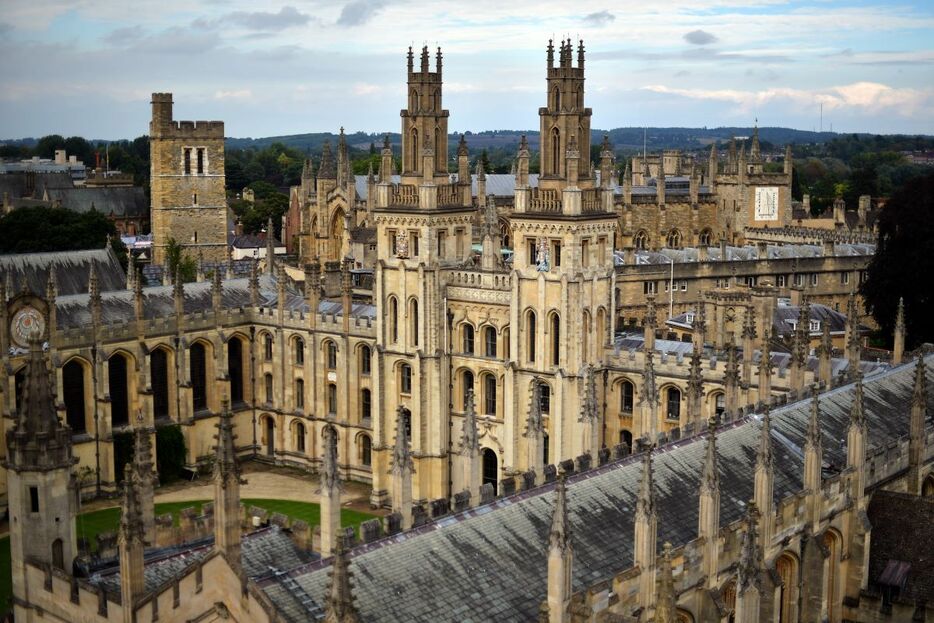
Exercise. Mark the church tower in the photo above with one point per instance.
(565, 121)
(423, 225)
(187, 184)
(424, 121)
(41, 481)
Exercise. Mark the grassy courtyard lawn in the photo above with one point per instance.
(89, 525)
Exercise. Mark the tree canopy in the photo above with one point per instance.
(37, 229)
(903, 258)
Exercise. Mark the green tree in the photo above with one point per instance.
(903, 256)
(47, 145)
(35, 229)
(178, 263)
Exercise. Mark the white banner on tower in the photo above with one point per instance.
(767, 203)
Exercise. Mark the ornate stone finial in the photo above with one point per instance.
(131, 516)
(764, 453)
(649, 387)
(560, 535)
(330, 472)
(857, 409)
(340, 606)
(226, 463)
(401, 454)
(813, 436)
(589, 407)
(535, 425)
(710, 478)
(900, 315)
(919, 392)
(665, 600)
(750, 557)
(651, 315)
(328, 168)
(731, 374)
(470, 439)
(93, 285)
(645, 503)
(573, 151)
(462, 147)
(387, 146)
(523, 147)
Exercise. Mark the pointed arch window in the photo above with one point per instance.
(555, 151)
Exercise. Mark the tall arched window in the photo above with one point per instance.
(489, 394)
(73, 390)
(365, 360)
(674, 239)
(555, 339)
(556, 98)
(585, 341)
(546, 399)
(119, 392)
(489, 340)
(298, 349)
(626, 397)
(267, 378)
(366, 450)
(405, 378)
(787, 568)
(267, 347)
(466, 386)
(531, 335)
(366, 406)
(413, 151)
(299, 394)
(393, 319)
(58, 555)
(468, 338)
(490, 469)
(704, 238)
(555, 151)
(197, 361)
(413, 325)
(832, 593)
(641, 240)
(673, 404)
(331, 350)
(235, 369)
(332, 399)
(298, 437)
(159, 373)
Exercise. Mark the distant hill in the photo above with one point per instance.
(623, 139)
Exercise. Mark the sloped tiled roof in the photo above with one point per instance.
(119, 201)
(489, 563)
(72, 271)
(900, 522)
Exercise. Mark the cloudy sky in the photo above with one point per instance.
(266, 68)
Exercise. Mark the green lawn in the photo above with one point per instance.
(89, 525)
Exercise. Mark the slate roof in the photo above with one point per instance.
(119, 201)
(900, 522)
(15, 184)
(748, 252)
(489, 563)
(499, 184)
(262, 553)
(72, 271)
(785, 317)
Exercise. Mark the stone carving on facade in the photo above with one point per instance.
(402, 245)
(542, 259)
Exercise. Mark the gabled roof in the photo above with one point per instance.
(489, 563)
(119, 201)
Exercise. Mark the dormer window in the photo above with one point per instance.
(690, 317)
(814, 326)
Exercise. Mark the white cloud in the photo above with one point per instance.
(241, 94)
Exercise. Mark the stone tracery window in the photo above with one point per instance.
(674, 239)
(641, 240)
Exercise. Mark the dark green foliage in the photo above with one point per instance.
(903, 258)
(34, 229)
(123, 453)
(170, 453)
(179, 263)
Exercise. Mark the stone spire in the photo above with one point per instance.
(560, 558)
(143, 466)
(651, 323)
(764, 478)
(606, 163)
(522, 171)
(666, 600)
(339, 606)
(825, 353)
(535, 432)
(708, 519)
(765, 366)
(646, 532)
(712, 165)
(856, 443)
(749, 571)
(130, 271)
(327, 170)
(254, 284)
(227, 489)
(648, 425)
(755, 153)
(695, 388)
(813, 461)
(343, 160)
(852, 336)
(402, 468)
(590, 416)
(660, 180)
(731, 381)
(270, 247)
(470, 451)
(131, 543)
(330, 491)
(385, 162)
(217, 291)
(94, 301)
(799, 343)
(898, 348)
(917, 435)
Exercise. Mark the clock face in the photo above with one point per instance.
(26, 322)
